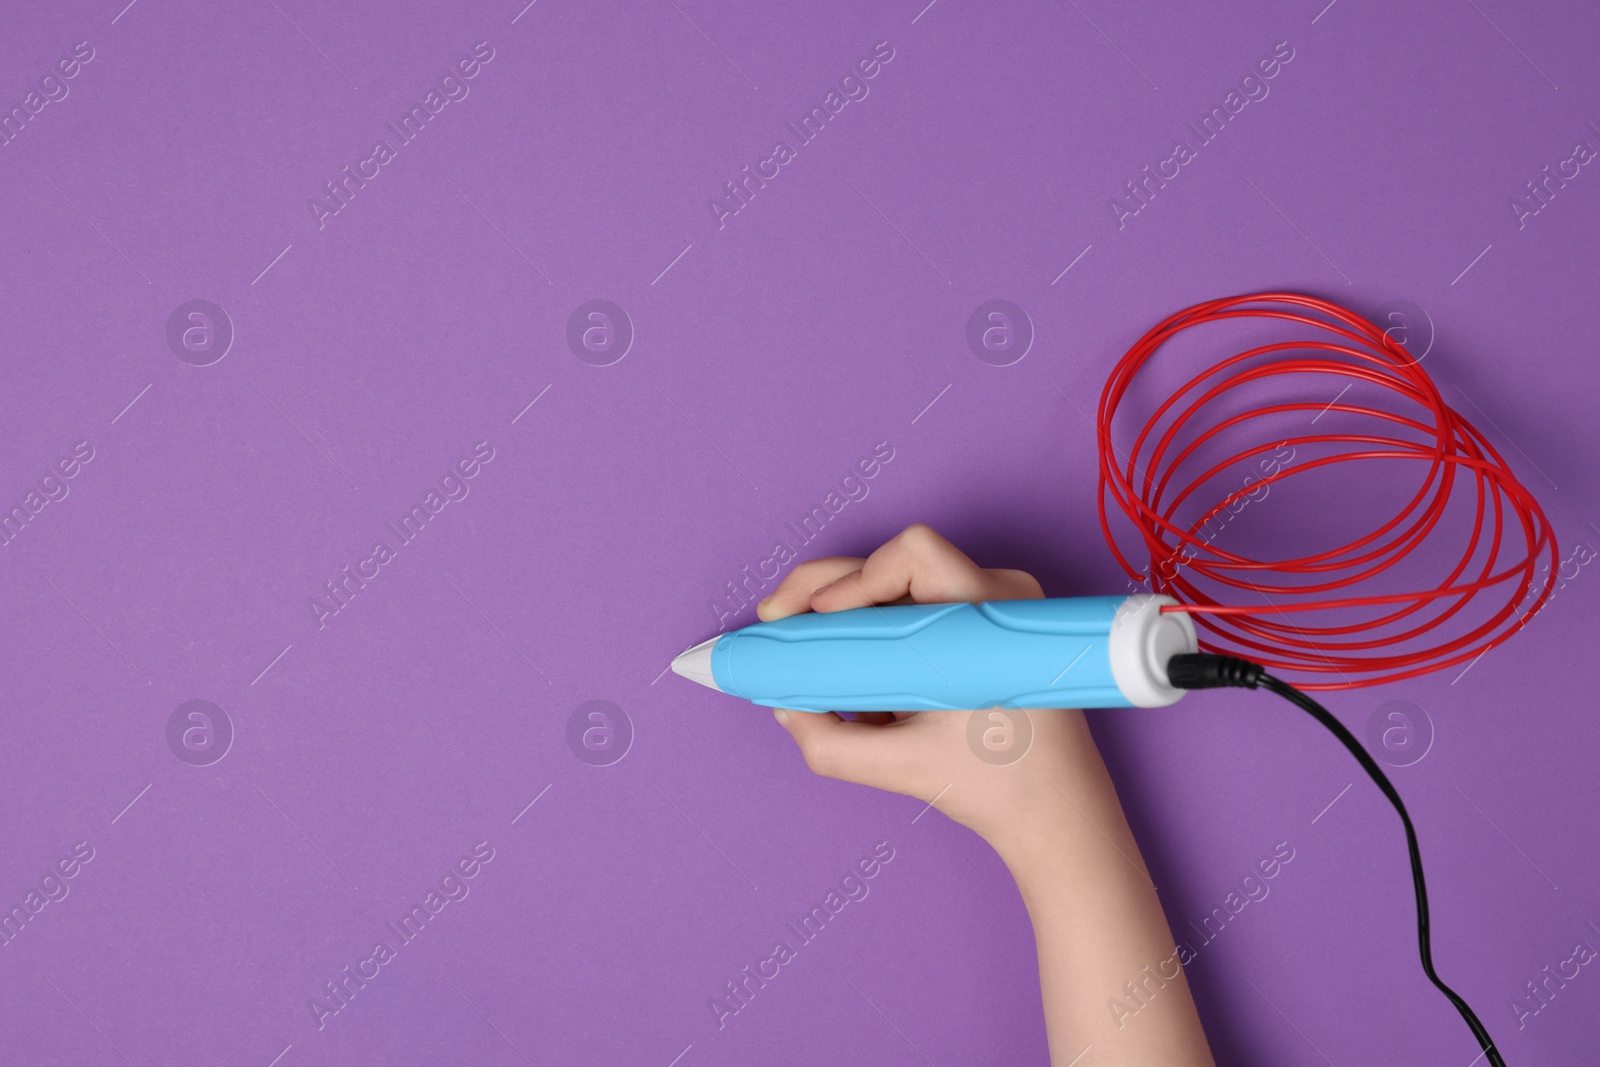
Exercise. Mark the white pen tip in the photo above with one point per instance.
(695, 664)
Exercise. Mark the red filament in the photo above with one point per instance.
(1332, 616)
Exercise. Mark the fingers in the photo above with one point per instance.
(793, 594)
(917, 565)
(850, 751)
(1023, 585)
(920, 563)
(917, 754)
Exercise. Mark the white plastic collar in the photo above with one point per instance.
(1142, 640)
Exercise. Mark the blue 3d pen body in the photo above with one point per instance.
(1063, 652)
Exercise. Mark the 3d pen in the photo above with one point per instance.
(1064, 652)
(1328, 619)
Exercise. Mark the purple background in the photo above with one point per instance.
(771, 354)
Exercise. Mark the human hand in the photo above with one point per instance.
(1052, 815)
(926, 754)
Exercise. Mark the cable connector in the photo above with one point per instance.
(1206, 670)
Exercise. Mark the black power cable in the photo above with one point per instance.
(1203, 670)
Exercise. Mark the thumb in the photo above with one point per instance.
(837, 748)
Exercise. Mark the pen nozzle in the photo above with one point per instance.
(695, 664)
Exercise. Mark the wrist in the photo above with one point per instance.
(1070, 813)
(1038, 852)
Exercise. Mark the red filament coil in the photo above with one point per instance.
(1327, 615)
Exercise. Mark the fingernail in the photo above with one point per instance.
(781, 715)
(825, 588)
(763, 601)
